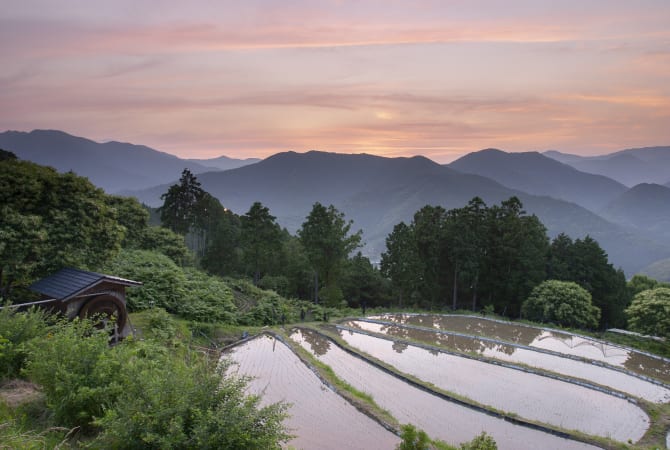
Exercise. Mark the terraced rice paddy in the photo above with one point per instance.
(550, 378)
(556, 341)
(532, 397)
(549, 361)
(320, 418)
(440, 418)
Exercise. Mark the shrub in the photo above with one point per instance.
(170, 402)
(562, 302)
(65, 362)
(17, 329)
(649, 313)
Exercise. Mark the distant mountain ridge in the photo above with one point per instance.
(224, 162)
(113, 166)
(377, 193)
(538, 174)
(629, 167)
(645, 206)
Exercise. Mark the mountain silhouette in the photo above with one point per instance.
(113, 166)
(535, 173)
(645, 206)
(629, 167)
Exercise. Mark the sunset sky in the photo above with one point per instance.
(395, 78)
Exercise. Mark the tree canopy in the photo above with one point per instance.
(561, 302)
(326, 238)
(649, 312)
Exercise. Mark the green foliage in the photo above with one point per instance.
(497, 253)
(416, 439)
(413, 439)
(171, 403)
(363, 284)
(51, 220)
(140, 395)
(649, 313)
(260, 237)
(178, 212)
(161, 325)
(165, 241)
(66, 363)
(561, 302)
(16, 330)
(641, 283)
(481, 442)
(184, 291)
(585, 262)
(327, 243)
(163, 281)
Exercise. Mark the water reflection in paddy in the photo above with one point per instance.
(507, 352)
(557, 341)
(439, 418)
(318, 416)
(530, 396)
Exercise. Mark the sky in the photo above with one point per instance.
(252, 78)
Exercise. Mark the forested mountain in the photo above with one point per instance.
(629, 167)
(113, 166)
(535, 173)
(377, 193)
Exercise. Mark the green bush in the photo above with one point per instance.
(17, 329)
(481, 442)
(649, 313)
(173, 403)
(66, 363)
(188, 292)
(562, 302)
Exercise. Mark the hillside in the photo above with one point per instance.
(535, 173)
(113, 166)
(645, 206)
(629, 167)
(378, 193)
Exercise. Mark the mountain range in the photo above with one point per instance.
(377, 192)
(630, 167)
(114, 166)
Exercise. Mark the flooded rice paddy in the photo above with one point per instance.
(319, 417)
(556, 341)
(584, 370)
(528, 395)
(440, 418)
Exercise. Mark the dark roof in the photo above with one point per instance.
(69, 282)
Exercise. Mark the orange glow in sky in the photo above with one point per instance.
(249, 79)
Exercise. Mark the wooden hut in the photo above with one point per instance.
(79, 293)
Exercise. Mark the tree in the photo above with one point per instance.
(585, 262)
(178, 212)
(362, 283)
(51, 220)
(466, 238)
(516, 252)
(260, 239)
(400, 262)
(431, 246)
(562, 302)
(327, 242)
(649, 312)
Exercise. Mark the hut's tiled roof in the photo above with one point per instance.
(69, 282)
